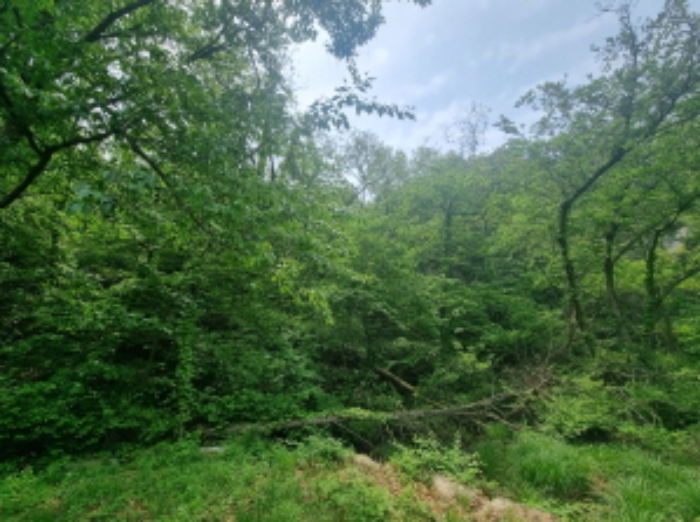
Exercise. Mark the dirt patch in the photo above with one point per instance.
(445, 495)
(504, 509)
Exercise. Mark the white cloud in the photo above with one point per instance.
(315, 73)
(378, 58)
(416, 91)
(432, 126)
(523, 52)
(428, 128)
(439, 58)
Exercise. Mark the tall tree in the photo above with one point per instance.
(649, 86)
(95, 78)
(468, 129)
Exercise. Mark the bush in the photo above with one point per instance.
(427, 457)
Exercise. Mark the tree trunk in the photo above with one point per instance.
(653, 300)
(609, 270)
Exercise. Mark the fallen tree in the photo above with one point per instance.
(496, 407)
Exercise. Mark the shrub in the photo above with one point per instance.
(427, 457)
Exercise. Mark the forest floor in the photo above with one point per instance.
(356, 489)
(319, 480)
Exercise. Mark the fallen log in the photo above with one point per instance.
(400, 383)
(473, 409)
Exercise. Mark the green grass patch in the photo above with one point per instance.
(550, 466)
(639, 486)
(313, 480)
(250, 481)
(537, 466)
(610, 482)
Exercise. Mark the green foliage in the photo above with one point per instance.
(654, 408)
(250, 480)
(120, 331)
(254, 479)
(426, 456)
(536, 466)
(354, 497)
(582, 406)
(162, 272)
(317, 449)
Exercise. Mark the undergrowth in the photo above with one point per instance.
(250, 481)
(315, 480)
(612, 482)
(427, 456)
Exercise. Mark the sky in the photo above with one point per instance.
(442, 58)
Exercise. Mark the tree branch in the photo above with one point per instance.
(563, 233)
(474, 409)
(664, 223)
(677, 281)
(136, 148)
(45, 157)
(81, 140)
(98, 32)
(30, 177)
(215, 45)
(396, 380)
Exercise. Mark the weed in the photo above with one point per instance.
(353, 497)
(321, 449)
(427, 457)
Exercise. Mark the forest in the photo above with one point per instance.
(189, 260)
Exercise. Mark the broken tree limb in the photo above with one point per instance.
(398, 381)
(474, 409)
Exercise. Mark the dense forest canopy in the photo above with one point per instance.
(182, 250)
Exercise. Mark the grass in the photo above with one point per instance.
(259, 481)
(608, 482)
(246, 483)
(638, 486)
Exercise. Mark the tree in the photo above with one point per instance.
(467, 130)
(160, 266)
(371, 167)
(649, 87)
(96, 81)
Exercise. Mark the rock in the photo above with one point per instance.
(366, 461)
(488, 510)
(212, 449)
(450, 490)
(504, 509)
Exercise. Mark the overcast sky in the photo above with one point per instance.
(440, 58)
